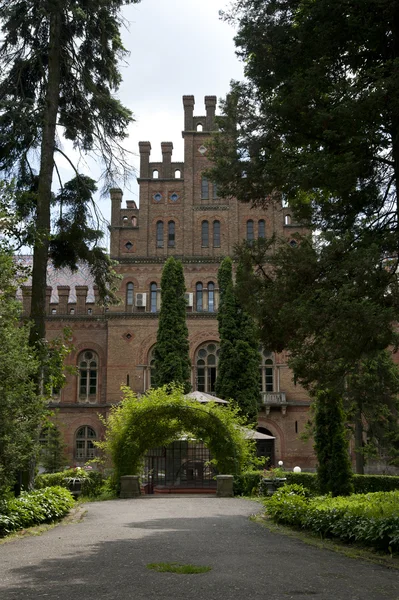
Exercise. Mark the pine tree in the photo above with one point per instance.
(59, 70)
(239, 359)
(172, 360)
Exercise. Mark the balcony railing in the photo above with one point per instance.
(273, 398)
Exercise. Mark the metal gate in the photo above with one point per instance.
(181, 465)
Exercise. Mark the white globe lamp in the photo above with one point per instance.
(297, 470)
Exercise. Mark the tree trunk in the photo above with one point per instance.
(40, 252)
(359, 442)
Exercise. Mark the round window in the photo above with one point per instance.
(211, 347)
(157, 197)
(174, 197)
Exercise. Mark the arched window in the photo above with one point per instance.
(206, 362)
(155, 174)
(261, 229)
(134, 221)
(153, 297)
(177, 174)
(130, 294)
(199, 297)
(200, 127)
(250, 231)
(205, 234)
(84, 446)
(287, 220)
(171, 234)
(204, 188)
(160, 234)
(216, 234)
(266, 372)
(88, 376)
(211, 297)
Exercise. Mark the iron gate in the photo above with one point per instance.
(183, 464)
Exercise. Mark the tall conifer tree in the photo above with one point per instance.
(239, 360)
(172, 360)
(59, 72)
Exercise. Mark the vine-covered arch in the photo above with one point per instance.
(165, 415)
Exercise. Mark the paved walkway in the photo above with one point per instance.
(105, 556)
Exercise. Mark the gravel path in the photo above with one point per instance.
(104, 557)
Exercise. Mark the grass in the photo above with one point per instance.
(175, 567)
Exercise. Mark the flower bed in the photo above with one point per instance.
(34, 508)
(371, 519)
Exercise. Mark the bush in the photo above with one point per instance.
(362, 484)
(34, 508)
(247, 483)
(91, 481)
(371, 519)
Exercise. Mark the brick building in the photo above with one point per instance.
(179, 214)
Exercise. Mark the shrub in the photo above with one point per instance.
(34, 508)
(247, 483)
(91, 481)
(362, 484)
(371, 519)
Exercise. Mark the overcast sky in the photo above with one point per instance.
(177, 47)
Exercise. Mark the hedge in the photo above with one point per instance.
(371, 519)
(34, 508)
(92, 481)
(362, 484)
(248, 483)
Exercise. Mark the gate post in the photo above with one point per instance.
(224, 486)
(130, 487)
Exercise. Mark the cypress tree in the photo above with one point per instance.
(239, 359)
(172, 360)
(334, 472)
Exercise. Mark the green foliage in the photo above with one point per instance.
(162, 416)
(239, 359)
(370, 519)
(172, 360)
(247, 483)
(59, 65)
(175, 567)
(34, 508)
(21, 409)
(317, 120)
(334, 470)
(306, 480)
(92, 482)
(52, 451)
(317, 116)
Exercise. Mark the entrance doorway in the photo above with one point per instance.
(266, 447)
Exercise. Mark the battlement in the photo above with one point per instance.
(199, 124)
(66, 301)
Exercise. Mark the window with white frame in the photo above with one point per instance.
(84, 443)
(266, 382)
(88, 376)
(129, 294)
(206, 362)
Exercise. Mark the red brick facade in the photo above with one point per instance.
(175, 204)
